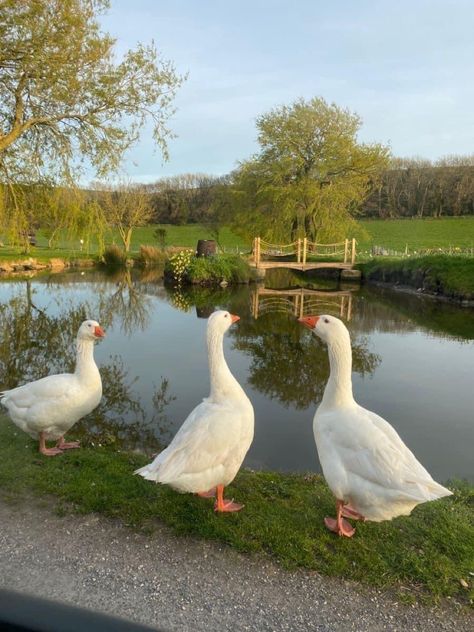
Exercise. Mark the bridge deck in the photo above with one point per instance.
(294, 265)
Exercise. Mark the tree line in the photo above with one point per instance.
(420, 188)
(408, 187)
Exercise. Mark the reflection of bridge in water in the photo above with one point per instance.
(302, 302)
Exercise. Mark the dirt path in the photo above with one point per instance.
(185, 584)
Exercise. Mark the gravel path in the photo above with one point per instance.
(185, 584)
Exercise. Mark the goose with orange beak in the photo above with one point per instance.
(48, 408)
(369, 469)
(209, 448)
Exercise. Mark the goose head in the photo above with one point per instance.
(221, 320)
(329, 328)
(90, 330)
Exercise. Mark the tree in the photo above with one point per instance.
(65, 101)
(125, 206)
(310, 176)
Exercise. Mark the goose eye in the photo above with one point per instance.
(326, 320)
(225, 315)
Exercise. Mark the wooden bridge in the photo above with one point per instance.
(340, 255)
(301, 302)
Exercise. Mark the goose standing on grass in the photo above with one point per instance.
(370, 471)
(207, 451)
(48, 408)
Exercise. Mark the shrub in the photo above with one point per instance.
(114, 256)
(151, 256)
(213, 270)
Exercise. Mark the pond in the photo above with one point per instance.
(413, 359)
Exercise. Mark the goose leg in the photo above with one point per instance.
(210, 494)
(339, 525)
(222, 504)
(64, 445)
(47, 451)
(349, 512)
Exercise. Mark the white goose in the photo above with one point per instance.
(48, 408)
(209, 448)
(369, 469)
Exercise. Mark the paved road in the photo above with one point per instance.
(185, 584)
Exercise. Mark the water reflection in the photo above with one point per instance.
(301, 302)
(288, 363)
(413, 360)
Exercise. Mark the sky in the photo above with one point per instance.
(405, 67)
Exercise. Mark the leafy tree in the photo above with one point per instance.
(64, 99)
(125, 206)
(310, 175)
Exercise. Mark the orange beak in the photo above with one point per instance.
(309, 321)
(99, 332)
(234, 318)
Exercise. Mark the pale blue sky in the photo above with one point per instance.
(405, 67)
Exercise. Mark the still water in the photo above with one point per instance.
(413, 360)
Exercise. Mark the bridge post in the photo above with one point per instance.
(257, 250)
(298, 250)
(305, 246)
(353, 253)
(346, 249)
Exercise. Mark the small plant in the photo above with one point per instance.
(160, 235)
(178, 264)
(114, 256)
(151, 256)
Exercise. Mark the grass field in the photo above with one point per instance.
(419, 233)
(425, 555)
(392, 234)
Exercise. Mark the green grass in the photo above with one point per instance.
(186, 236)
(392, 234)
(449, 276)
(419, 233)
(423, 556)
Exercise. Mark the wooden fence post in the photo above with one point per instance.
(305, 245)
(298, 250)
(353, 253)
(257, 250)
(346, 249)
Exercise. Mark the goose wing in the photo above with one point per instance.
(204, 441)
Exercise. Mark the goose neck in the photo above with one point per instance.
(223, 383)
(338, 391)
(85, 364)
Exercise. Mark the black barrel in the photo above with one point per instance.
(206, 248)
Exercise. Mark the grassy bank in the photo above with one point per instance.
(426, 555)
(452, 277)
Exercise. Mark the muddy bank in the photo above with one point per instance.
(54, 264)
(443, 278)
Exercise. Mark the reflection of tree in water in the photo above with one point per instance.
(120, 418)
(34, 344)
(288, 363)
(128, 302)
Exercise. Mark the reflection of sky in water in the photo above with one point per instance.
(423, 383)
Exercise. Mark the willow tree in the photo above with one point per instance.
(310, 175)
(65, 102)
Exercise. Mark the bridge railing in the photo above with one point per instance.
(302, 247)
